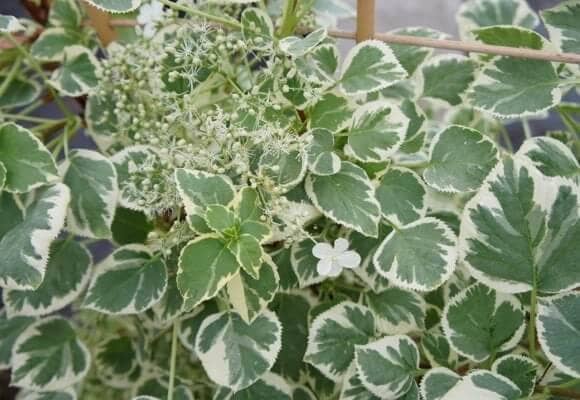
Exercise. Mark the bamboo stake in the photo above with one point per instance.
(101, 22)
(365, 20)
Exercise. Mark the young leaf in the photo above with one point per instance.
(377, 131)
(447, 77)
(333, 336)
(558, 331)
(561, 22)
(19, 92)
(10, 330)
(250, 296)
(92, 179)
(205, 266)
(257, 28)
(78, 73)
(299, 47)
(67, 274)
(474, 14)
(550, 156)
(49, 356)
(521, 230)
(509, 87)
(402, 194)
(332, 195)
(369, 67)
(396, 354)
(52, 43)
(236, 354)
(24, 170)
(24, 269)
(115, 6)
(397, 311)
(443, 384)
(480, 322)
(459, 160)
(320, 155)
(129, 281)
(397, 259)
(519, 369)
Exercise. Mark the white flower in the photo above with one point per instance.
(334, 259)
(149, 15)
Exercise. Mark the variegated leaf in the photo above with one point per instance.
(320, 155)
(447, 77)
(412, 57)
(561, 22)
(521, 230)
(52, 43)
(9, 24)
(331, 112)
(115, 6)
(285, 169)
(257, 28)
(189, 327)
(519, 369)
(49, 356)
(550, 156)
(25, 170)
(352, 387)
(299, 47)
(19, 92)
(397, 259)
(67, 275)
(78, 73)
(236, 354)
(92, 179)
(129, 281)
(270, 386)
(10, 330)
(116, 360)
(480, 322)
(333, 336)
(397, 311)
(31, 236)
(402, 196)
(65, 13)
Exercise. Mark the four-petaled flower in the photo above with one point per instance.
(334, 259)
(149, 15)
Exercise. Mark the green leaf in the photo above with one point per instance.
(397, 259)
(447, 77)
(521, 231)
(10, 330)
(412, 57)
(24, 269)
(92, 179)
(65, 394)
(249, 296)
(220, 218)
(377, 131)
(353, 389)
(304, 263)
(78, 73)
(442, 383)
(558, 331)
(519, 369)
(402, 196)
(397, 311)
(48, 356)
(257, 28)
(270, 386)
(2, 176)
(67, 275)
(370, 66)
(325, 58)
(366, 247)
(65, 13)
(129, 281)
(52, 43)
(189, 326)
(331, 112)
(561, 22)
(475, 14)
(459, 160)
(24, 170)
(130, 226)
(438, 351)
(116, 360)
(299, 47)
(550, 156)
(205, 266)
(415, 135)
(171, 304)
(200, 189)
(292, 310)
(332, 195)
(115, 6)
(509, 87)
(236, 354)
(480, 322)
(285, 169)
(19, 92)
(248, 253)
(9, 24)
(320, 155)
(387, 366)
(333, 336)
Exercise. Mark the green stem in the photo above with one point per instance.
(506, 138)
(173, 359)
(11, 75)
(288, 19)
(532, 325)
(27, 118)
(527, 128)
(210, 17)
